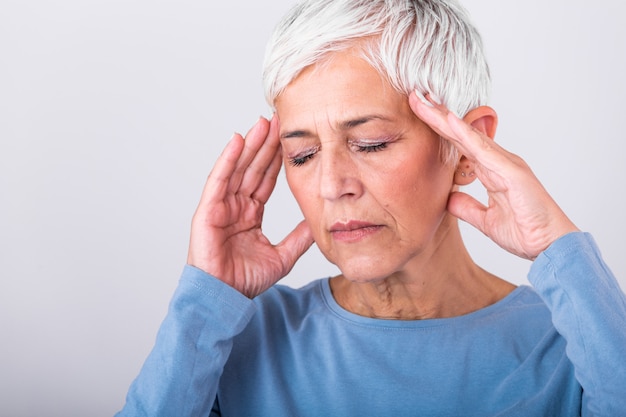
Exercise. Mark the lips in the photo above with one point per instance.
(353, 231)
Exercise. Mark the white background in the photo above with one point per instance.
(112, 113)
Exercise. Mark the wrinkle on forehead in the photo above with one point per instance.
(325, 95)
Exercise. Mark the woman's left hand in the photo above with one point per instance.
(520, 215)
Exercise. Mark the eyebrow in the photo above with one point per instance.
(345, 125)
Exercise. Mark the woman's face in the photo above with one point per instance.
(363, 168)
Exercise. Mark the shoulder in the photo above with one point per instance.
(521, 306)
(525, 298)
(521, 317)
(282, 303)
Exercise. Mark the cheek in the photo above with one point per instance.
(303, 190)
(312, 210)
(416, 186)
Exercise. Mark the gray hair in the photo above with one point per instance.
(428, 45)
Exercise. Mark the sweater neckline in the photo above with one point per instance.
(342, 313)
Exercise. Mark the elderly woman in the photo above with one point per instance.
(380, 118)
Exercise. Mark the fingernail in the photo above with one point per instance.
(435, 99)
(423, 99)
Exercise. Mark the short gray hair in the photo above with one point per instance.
(429, 45)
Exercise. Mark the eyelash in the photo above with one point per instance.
(301, 160)
(372, 148)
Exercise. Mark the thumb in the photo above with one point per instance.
(468, 209)
(293, 246)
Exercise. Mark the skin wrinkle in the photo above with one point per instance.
(414, 264)
(392, 311)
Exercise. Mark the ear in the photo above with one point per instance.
(485, 120)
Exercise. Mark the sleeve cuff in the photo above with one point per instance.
(572, 246)
(213, 290)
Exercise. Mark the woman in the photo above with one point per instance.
(366, 95)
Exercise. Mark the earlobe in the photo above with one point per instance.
(485, 120)
(464, 173)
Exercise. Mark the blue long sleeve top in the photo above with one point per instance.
(556, 350)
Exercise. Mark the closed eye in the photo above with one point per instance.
(302, 158)
(375, 147)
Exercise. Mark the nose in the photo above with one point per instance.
(339, 175)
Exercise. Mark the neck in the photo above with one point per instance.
(442, 281)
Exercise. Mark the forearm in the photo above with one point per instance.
(181, 374)
(589, 311)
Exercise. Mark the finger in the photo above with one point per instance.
(468, 209)
(216, 186)
(430, 113)
(477, 146)
(253, 141)
(294, 245)
(439, 118)
(268, 182)
(470, 142)
(257, 171)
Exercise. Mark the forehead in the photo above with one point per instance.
(342, 87)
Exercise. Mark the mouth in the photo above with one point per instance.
(353, 231)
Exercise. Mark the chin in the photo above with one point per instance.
(367, 265)
(364, 272)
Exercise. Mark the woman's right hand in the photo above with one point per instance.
(226, 237)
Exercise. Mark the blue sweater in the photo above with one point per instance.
(557, 350)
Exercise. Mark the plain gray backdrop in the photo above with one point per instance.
(113, 112)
